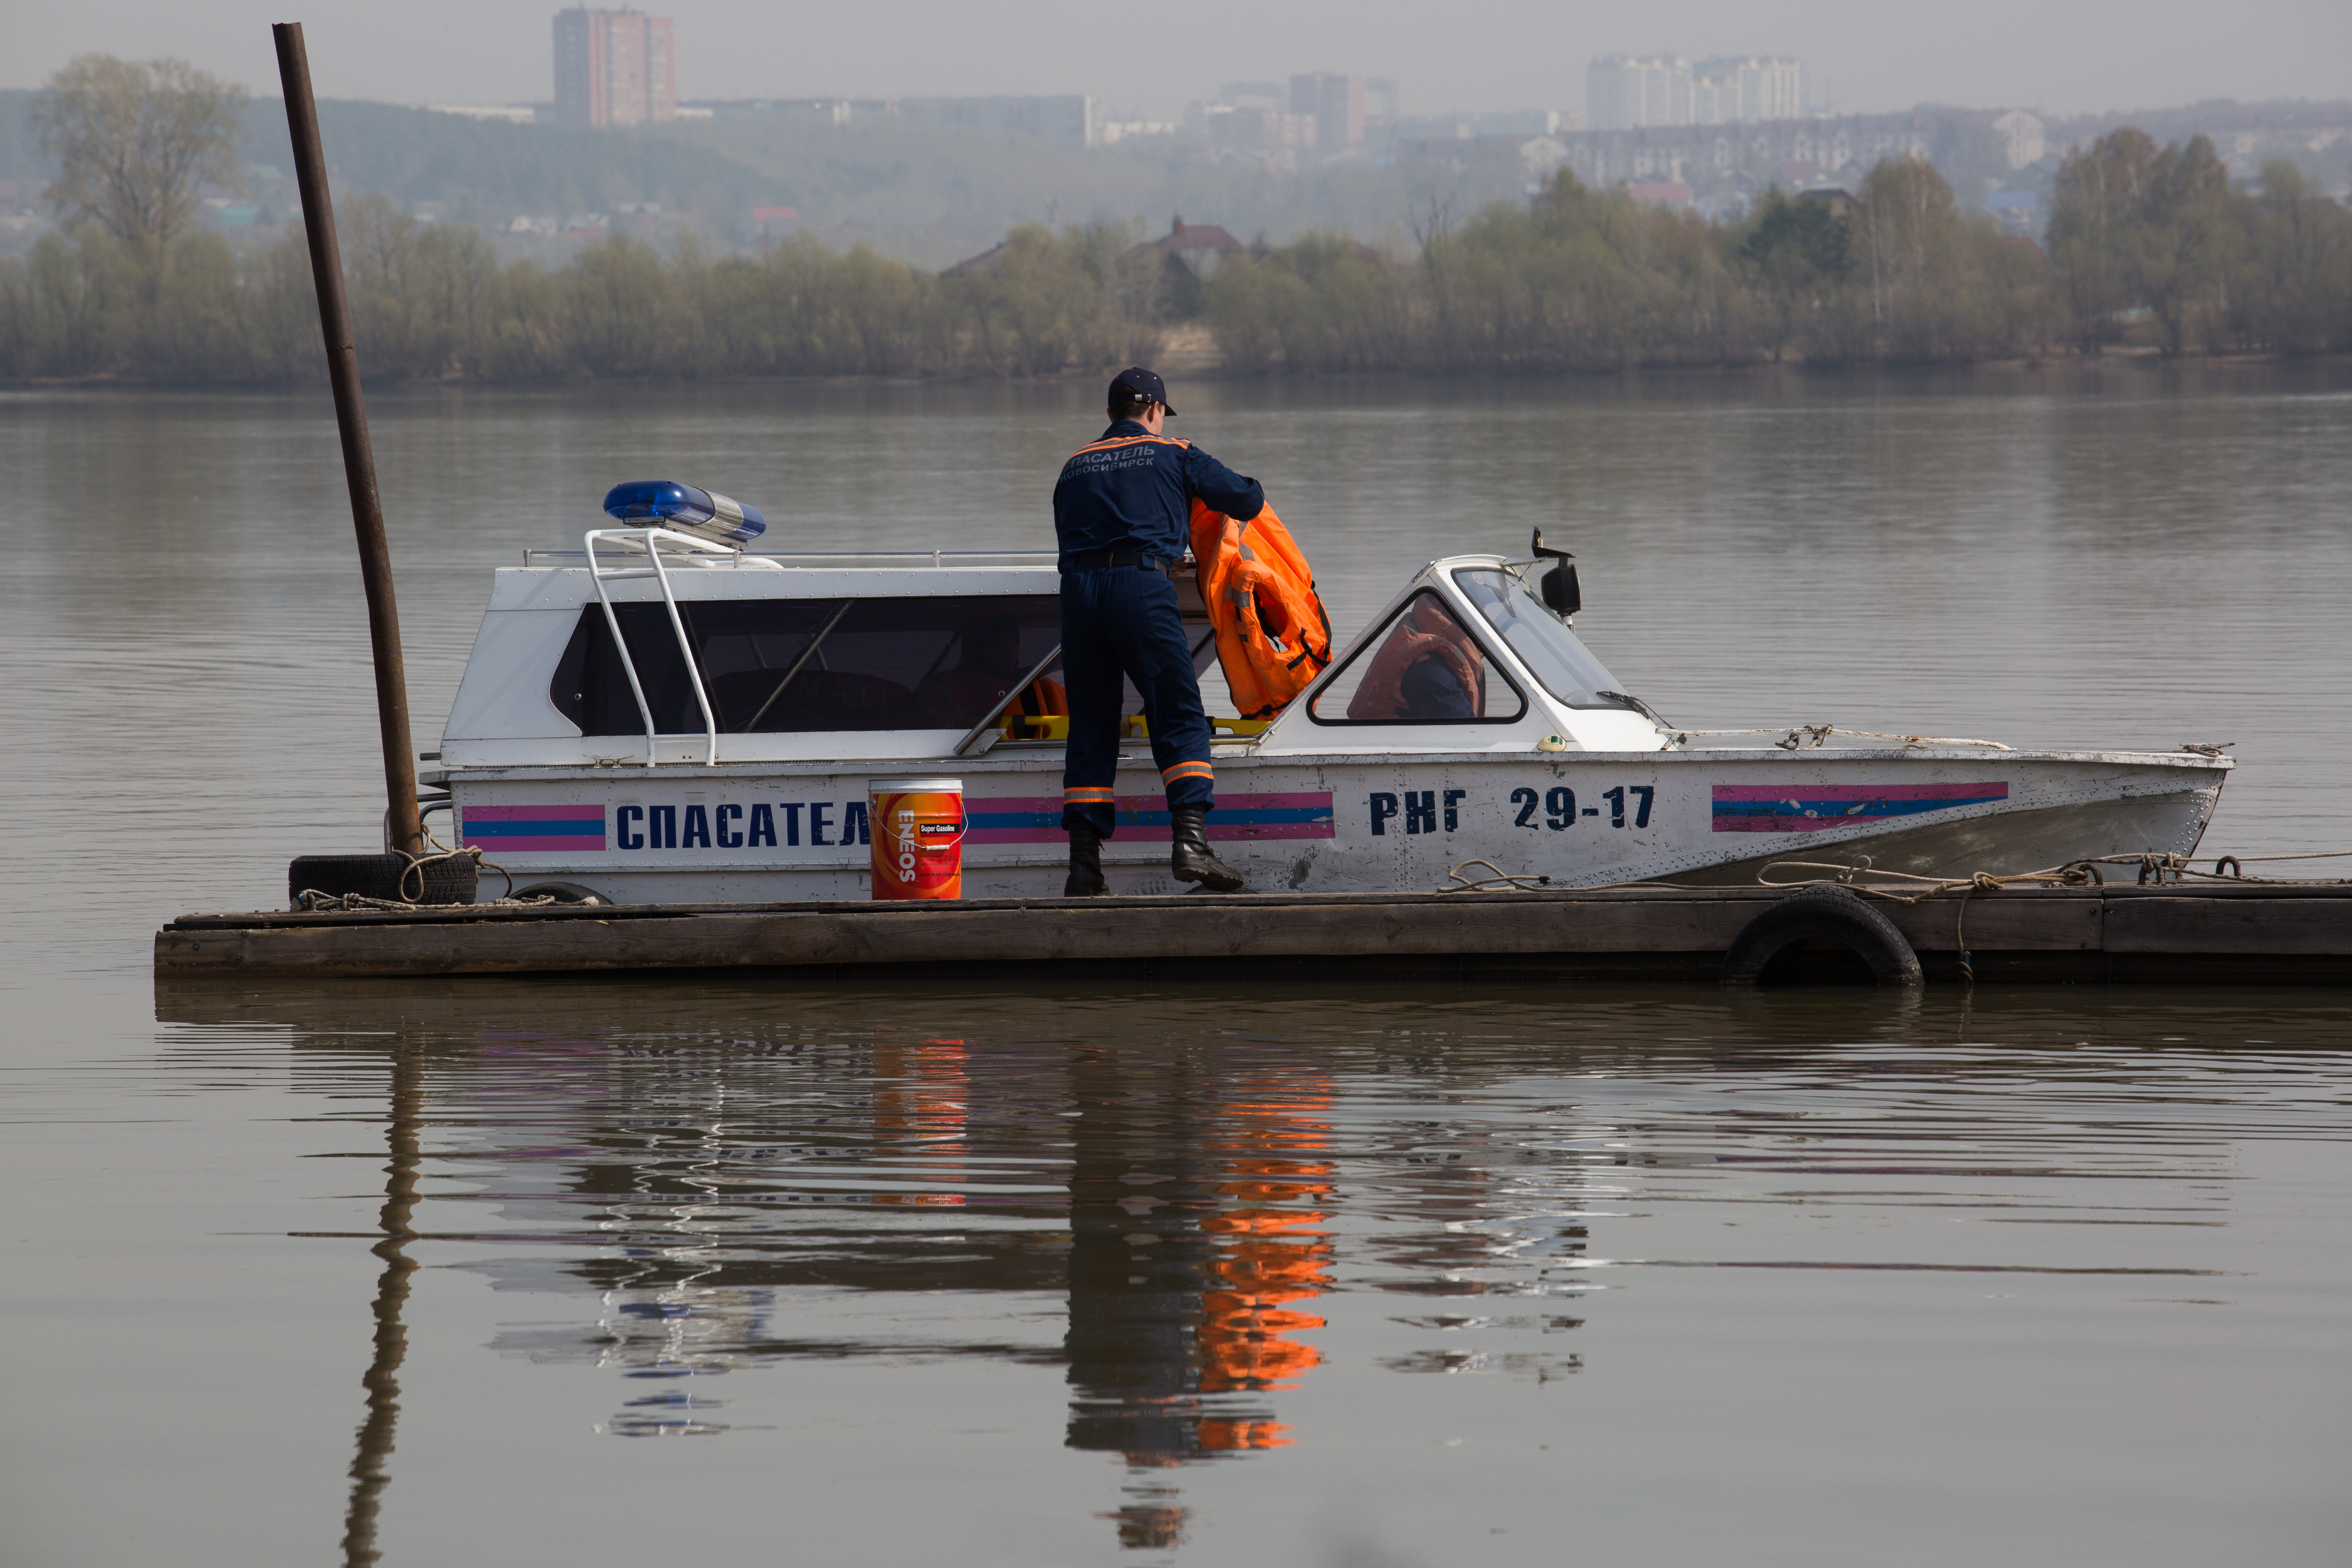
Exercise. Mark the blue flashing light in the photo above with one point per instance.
(666, 503)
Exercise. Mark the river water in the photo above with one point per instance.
(1048, 1271)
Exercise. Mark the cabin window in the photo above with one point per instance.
(1424, 668)
(788, 666)
(1553, 654)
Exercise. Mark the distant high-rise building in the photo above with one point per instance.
(1336, 105)
(1627, 92)
(1741, 87)
(614, 67)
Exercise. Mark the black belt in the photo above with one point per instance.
(1117, 558)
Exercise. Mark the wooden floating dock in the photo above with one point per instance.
(2206, 931)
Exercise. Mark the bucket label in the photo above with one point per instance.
(917, 843)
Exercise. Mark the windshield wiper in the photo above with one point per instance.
(1637, 705)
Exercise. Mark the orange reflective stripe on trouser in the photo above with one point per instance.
(1088, 794)
(1187, 771)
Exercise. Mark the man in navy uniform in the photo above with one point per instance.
(1122, 514)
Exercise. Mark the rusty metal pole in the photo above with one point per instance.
(407, 833)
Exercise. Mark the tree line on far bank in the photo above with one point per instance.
(2144, 242)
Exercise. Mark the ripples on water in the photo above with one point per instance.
(747, 1272)
(1424, 1276)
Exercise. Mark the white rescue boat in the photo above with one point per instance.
(721, 748)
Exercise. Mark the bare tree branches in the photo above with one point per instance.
(137, 140)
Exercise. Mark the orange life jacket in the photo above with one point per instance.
(1273, 637)
(1043, 698)
(1382, 694)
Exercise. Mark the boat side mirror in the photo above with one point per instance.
(1561, 594)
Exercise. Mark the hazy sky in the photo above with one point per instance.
(2063, 56)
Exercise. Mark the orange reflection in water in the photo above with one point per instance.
(1200, 1206)
(921, 1101)
(1270, 1250)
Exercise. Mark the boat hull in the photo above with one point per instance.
(1352, 823)
(2003, 843)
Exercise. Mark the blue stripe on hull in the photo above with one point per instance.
(1847, 806)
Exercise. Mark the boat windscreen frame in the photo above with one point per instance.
(1427, 584)
(1603, 698)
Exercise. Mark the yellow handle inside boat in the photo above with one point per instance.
(1134, 726)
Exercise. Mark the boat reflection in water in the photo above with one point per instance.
(734, 1202)
(1195, 1231)
(823, 1232)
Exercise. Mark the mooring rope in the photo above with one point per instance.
(1503, 880)
(312, 900)
(1495, 883)
(2071, 875)
(2153, 867)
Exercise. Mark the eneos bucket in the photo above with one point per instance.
(918, 837)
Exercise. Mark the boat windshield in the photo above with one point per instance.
(1551, 652)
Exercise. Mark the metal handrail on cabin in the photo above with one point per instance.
(650, 539)
(845, 558)
(977, 740)
(647, 539)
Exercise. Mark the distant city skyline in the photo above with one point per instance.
(2061, 56)
(1627, 93)
(614, 67)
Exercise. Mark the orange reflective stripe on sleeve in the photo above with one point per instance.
(1128, 441)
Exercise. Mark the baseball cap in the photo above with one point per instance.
(1137, 381)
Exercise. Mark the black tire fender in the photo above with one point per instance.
(1822, 914)
(437, 881)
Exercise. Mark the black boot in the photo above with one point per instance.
(1191, 861)
(1086, 878)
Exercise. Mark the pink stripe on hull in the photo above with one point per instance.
(1155, 802)
(1134, 832)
